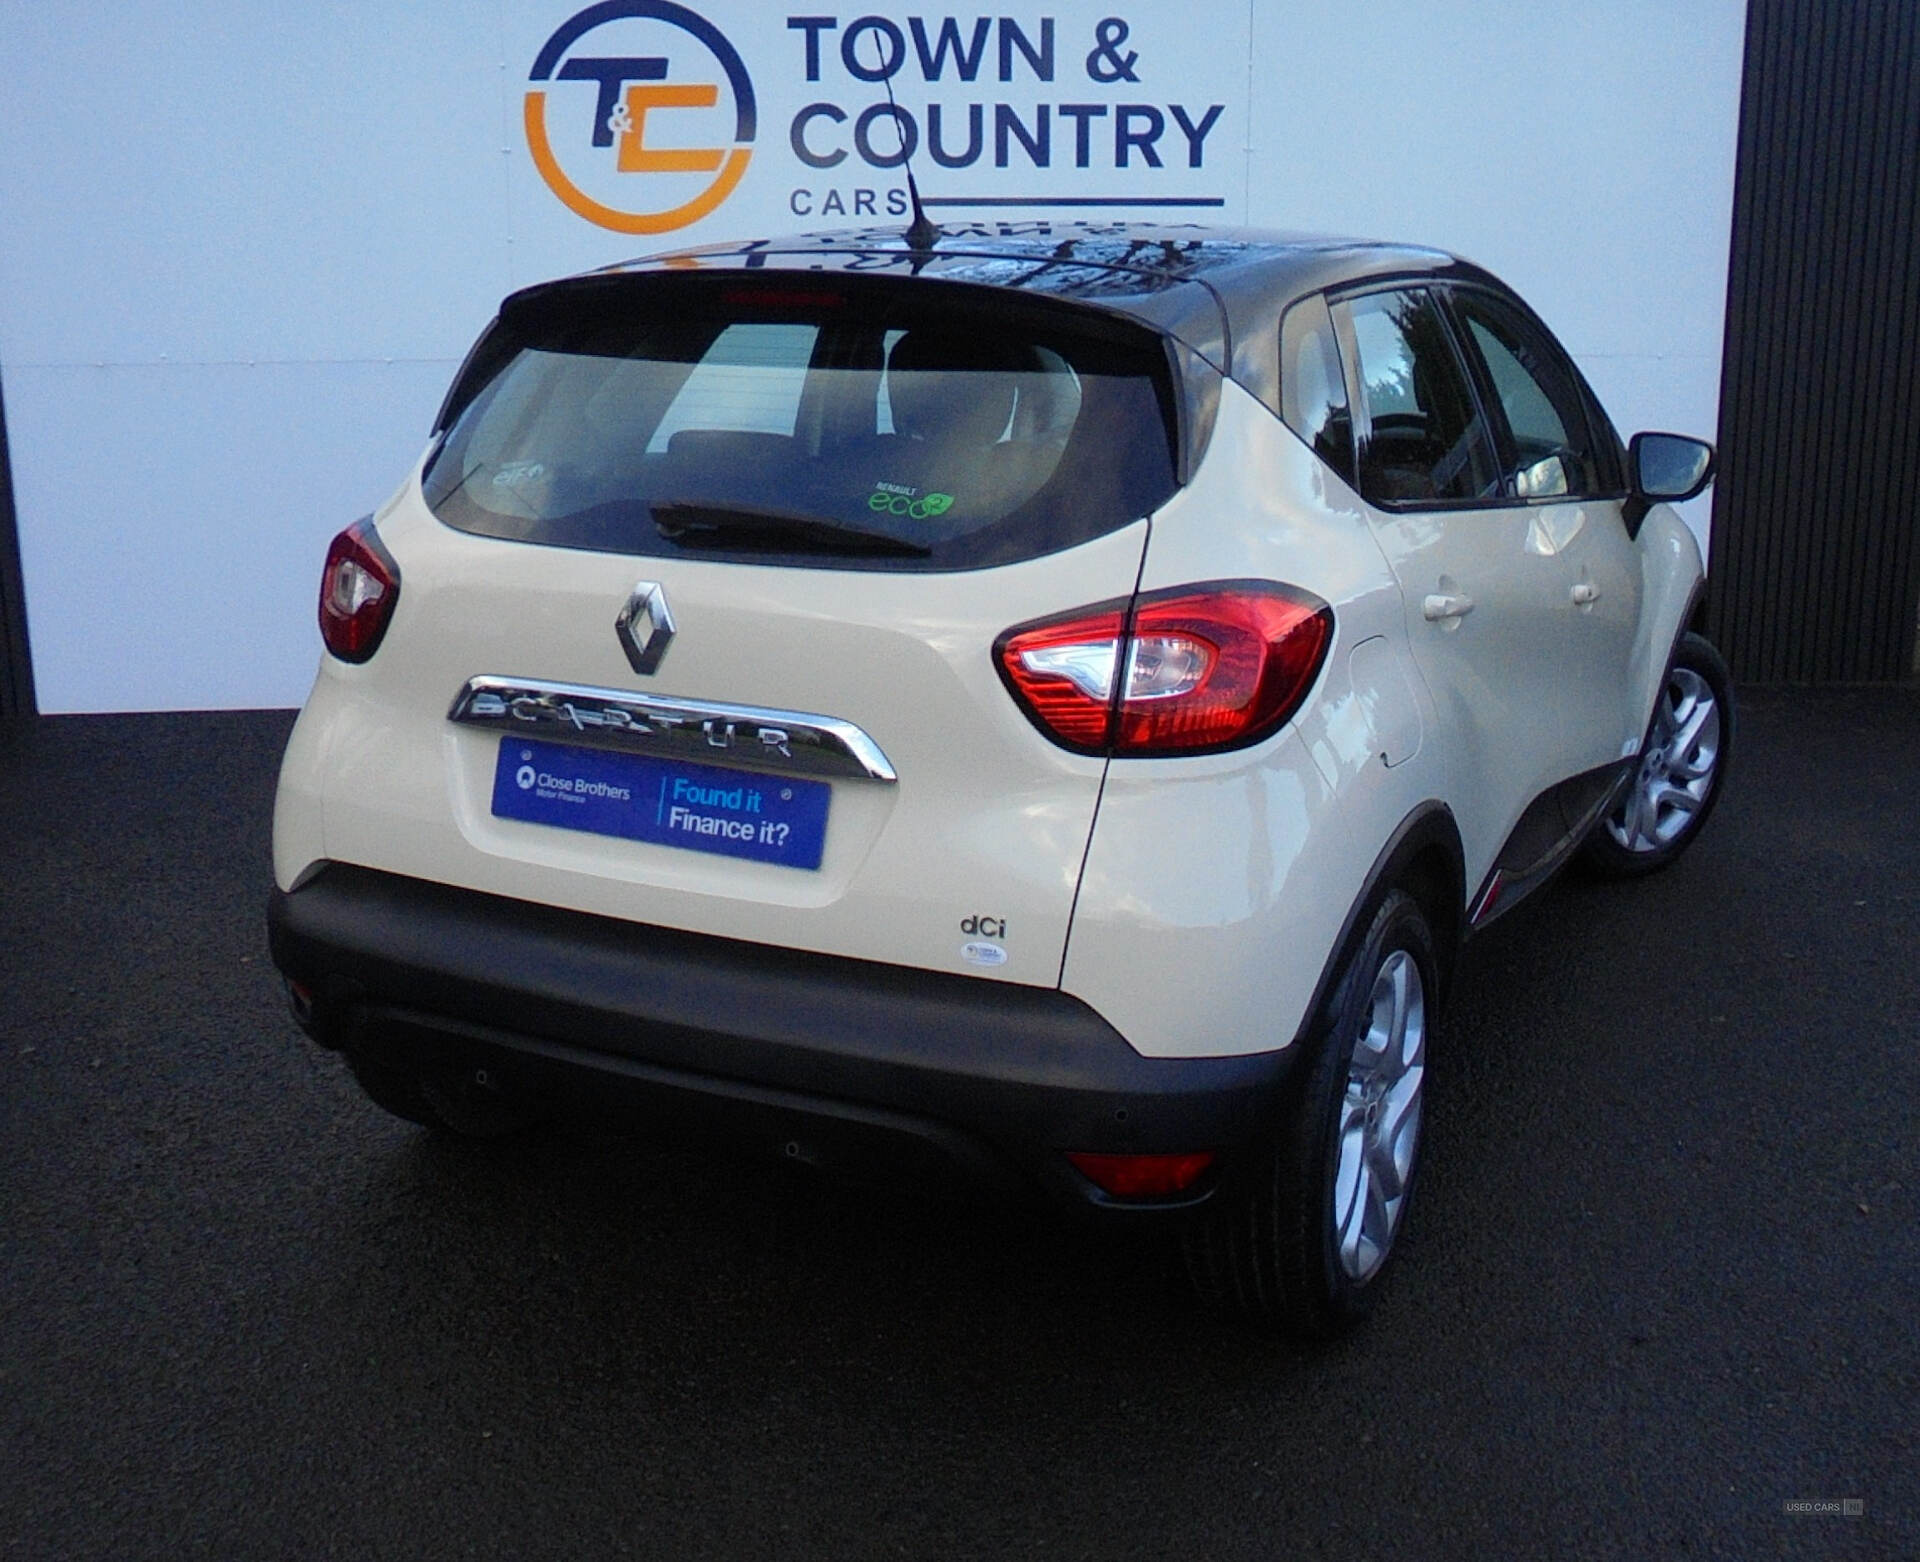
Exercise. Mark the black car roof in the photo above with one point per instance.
(1217, 290)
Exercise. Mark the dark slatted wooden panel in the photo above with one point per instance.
(16, 665)
(1815, 575)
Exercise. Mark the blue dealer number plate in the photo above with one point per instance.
(778, 819)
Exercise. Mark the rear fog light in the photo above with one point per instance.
(1142, 1176)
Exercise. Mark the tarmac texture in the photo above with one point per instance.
(1658, 1287)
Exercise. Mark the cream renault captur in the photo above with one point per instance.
(1043, 702)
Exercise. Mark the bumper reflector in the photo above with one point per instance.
(1142, 1176)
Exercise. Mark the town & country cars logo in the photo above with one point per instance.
(632, 59)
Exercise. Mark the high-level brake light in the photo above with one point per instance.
(1208, 667)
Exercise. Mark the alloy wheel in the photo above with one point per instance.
(1677, 766)
(1380, 1118)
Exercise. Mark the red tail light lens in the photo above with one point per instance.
(358, 590)
(1208, 667)
(1061, 673)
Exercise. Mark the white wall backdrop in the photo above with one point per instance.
(242, 248)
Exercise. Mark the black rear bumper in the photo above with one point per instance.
(815, 1056)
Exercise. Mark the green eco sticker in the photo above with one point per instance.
(886, 499)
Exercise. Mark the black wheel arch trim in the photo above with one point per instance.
(1695, 617)
(1427, 829)
(1690, 622)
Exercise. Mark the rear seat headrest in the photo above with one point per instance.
(949, 385)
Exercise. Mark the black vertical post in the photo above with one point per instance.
(17, 704)
(1815, 575)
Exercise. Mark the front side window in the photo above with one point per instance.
(1549, 453)
(884, 429)
(1426, 440)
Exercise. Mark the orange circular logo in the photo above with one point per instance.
(625, 172)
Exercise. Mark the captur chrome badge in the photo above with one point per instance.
(755, 736)
(645, 626)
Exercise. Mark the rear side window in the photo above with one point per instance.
(1313, 391)
(1425, 439)
(888, 429)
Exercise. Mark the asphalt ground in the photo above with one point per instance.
(1658, 1286)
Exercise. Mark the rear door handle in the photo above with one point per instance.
(1586, 593)
(1444, 605)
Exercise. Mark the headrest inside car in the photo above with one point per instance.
(943, 385)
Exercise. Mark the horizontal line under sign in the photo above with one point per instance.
(1074, 200)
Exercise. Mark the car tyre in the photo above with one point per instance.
(1681, 770)
(1302, 1245)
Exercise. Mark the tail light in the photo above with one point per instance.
(358, 589)
(1207, 667)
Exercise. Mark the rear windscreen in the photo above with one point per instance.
(902, 428)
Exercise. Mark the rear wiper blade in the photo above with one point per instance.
(694, 524)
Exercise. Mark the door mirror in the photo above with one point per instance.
(1669, 467)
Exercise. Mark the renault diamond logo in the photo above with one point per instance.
(645, 626)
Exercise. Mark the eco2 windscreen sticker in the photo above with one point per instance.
(900, 499)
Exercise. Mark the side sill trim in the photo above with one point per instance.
(1516, 874)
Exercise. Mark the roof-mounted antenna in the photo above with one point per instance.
(922, 234)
